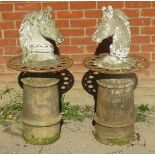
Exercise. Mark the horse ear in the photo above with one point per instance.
(49, 10)
(110, 7)
(104, 8)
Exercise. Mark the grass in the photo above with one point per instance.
(75, 112)
(12, 111)
(142, 113)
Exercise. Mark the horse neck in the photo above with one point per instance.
(37, 37)
(35, 33)
(122, 33)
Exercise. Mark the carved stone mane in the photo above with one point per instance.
(114, 23)
(122, 36)
(35, 30)
(125, 20)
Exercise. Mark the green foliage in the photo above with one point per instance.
(143, 108)
(11, 111)
(142, 113)
(75, 112)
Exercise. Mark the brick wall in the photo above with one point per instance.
(77, 22)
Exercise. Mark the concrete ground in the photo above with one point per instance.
(77, 137)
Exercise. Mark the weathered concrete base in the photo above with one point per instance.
(114, 116)
(41, 113)
(114, 136)
(41, 135)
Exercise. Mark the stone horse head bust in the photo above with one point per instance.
(36, 30)
(114, 23)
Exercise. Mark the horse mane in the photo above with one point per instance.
(28, 22)
(30, 18)
(121, 15)
(117, 13)
(124, 19)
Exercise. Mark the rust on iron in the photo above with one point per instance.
(141, 64)
(114, 115)
(41, 113)
(16, 64)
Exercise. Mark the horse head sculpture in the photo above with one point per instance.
(36, 30)
(114, 23)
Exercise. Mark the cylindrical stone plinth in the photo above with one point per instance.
(41, 112)
(114, 117)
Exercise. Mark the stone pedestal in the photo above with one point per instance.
(41, 113)
(114, 117)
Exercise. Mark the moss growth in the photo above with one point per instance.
(120, 141)
(41, 141)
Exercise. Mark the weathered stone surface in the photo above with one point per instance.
(36, 32)
(114, 24)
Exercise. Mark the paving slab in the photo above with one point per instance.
(77, 137)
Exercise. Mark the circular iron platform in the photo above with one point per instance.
(141, 64)
(16, 64)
